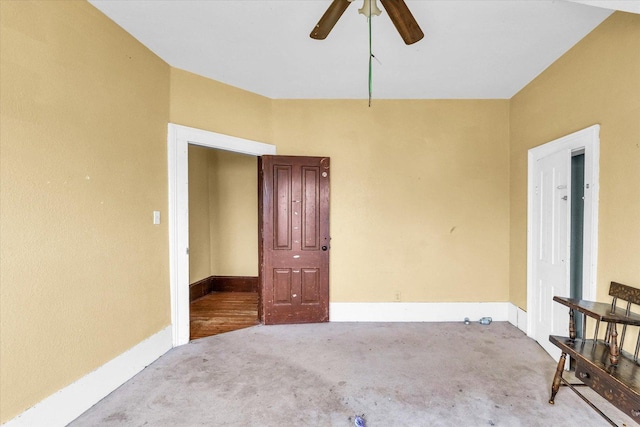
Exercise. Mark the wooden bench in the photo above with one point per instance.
(601, 363)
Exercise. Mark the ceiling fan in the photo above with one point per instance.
(398, 11)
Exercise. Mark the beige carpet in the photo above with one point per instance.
(396, 374)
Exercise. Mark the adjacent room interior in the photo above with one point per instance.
(223, 241)
(429, 193)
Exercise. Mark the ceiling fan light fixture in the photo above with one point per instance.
(370, 7)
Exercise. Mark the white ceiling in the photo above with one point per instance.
(471, 49)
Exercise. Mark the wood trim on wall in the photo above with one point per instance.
(234, 284)
(200, 288)
(222, 284)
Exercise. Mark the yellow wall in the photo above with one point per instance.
(419, 190)
(84, 272)
(419, 195)
(234, 205)
(223, 220)
(597, 81)
(199, 214)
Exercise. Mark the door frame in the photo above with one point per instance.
(178, 140)
(587, 139)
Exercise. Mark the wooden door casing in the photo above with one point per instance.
(293, 204)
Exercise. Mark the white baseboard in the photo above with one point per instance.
(518, 317)
(66, 405)
(416, 311)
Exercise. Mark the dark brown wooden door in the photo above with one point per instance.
(293, 204)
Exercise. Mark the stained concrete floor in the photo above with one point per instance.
(396, 374)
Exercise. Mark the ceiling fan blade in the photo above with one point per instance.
(329, 19)
(403, 20)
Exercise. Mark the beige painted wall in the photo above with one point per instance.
(223, 214)
(597, 81)
(419, 195)
(84, 272)
(200, 249)
(234, 206)
(420, 208)
(206, 104)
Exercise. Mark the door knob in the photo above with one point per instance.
(324, 248)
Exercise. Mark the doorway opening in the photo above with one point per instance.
(223, 246)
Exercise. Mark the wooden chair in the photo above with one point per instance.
(602, 364)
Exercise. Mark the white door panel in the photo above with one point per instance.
(551, 272)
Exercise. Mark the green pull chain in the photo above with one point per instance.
(370, 59)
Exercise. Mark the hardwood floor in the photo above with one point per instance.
(220, 312)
